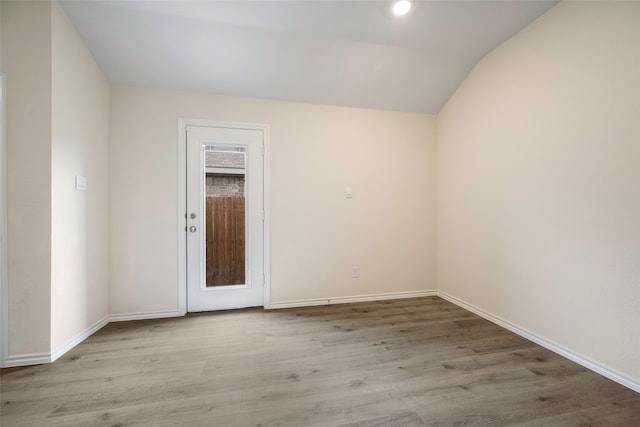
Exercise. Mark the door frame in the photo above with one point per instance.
(4, 277)
(182, 204)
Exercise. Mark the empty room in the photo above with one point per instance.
(319, 213)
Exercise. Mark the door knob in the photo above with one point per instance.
(192, 229)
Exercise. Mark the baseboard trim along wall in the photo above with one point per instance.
(38, 359)
(56, 354)
(27, 359)
(144, 315)
(350, 299)
(556, 348)
(41, 358)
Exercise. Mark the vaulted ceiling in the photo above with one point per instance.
(351, 53)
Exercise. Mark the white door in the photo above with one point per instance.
(225, 218)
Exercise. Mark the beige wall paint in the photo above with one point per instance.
(57, 127)
(80, 146)
(26, 60)
(3, 214)
(1, 69)
(538, 201)
(387, 229)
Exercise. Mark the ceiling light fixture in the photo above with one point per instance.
(401, 7)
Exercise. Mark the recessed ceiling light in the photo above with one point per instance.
(401, 7)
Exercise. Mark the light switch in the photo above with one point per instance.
(81, 183)
(348, 193)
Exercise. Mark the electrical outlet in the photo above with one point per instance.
(355, 272)
(348, 192)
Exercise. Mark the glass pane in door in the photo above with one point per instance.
(225, 201)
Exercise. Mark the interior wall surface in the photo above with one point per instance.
(538, 201)
(387, 228)
(26, 61)
(80, 223)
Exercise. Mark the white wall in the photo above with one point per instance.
(3, 211)
(80, 146)
(26, 60)
(538, 182)
(57, 127)
(1, 69)
(387, 229)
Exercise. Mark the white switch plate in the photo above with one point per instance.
(81, 183)
(355, 272)
(348, 193)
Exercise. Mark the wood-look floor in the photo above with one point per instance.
(407, 362)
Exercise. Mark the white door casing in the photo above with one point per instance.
(4, 284)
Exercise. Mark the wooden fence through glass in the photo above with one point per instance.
(225, 241)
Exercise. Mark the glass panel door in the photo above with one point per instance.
(225, 218)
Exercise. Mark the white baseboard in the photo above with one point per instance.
(350, 299)
(36, 359)
(56, 354)
(296, 303)
(144, 315)
(40, 358)
(605, 371)
(27, 359)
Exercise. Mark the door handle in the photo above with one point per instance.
(192, 229)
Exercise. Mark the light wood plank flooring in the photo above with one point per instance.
(406, 362)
